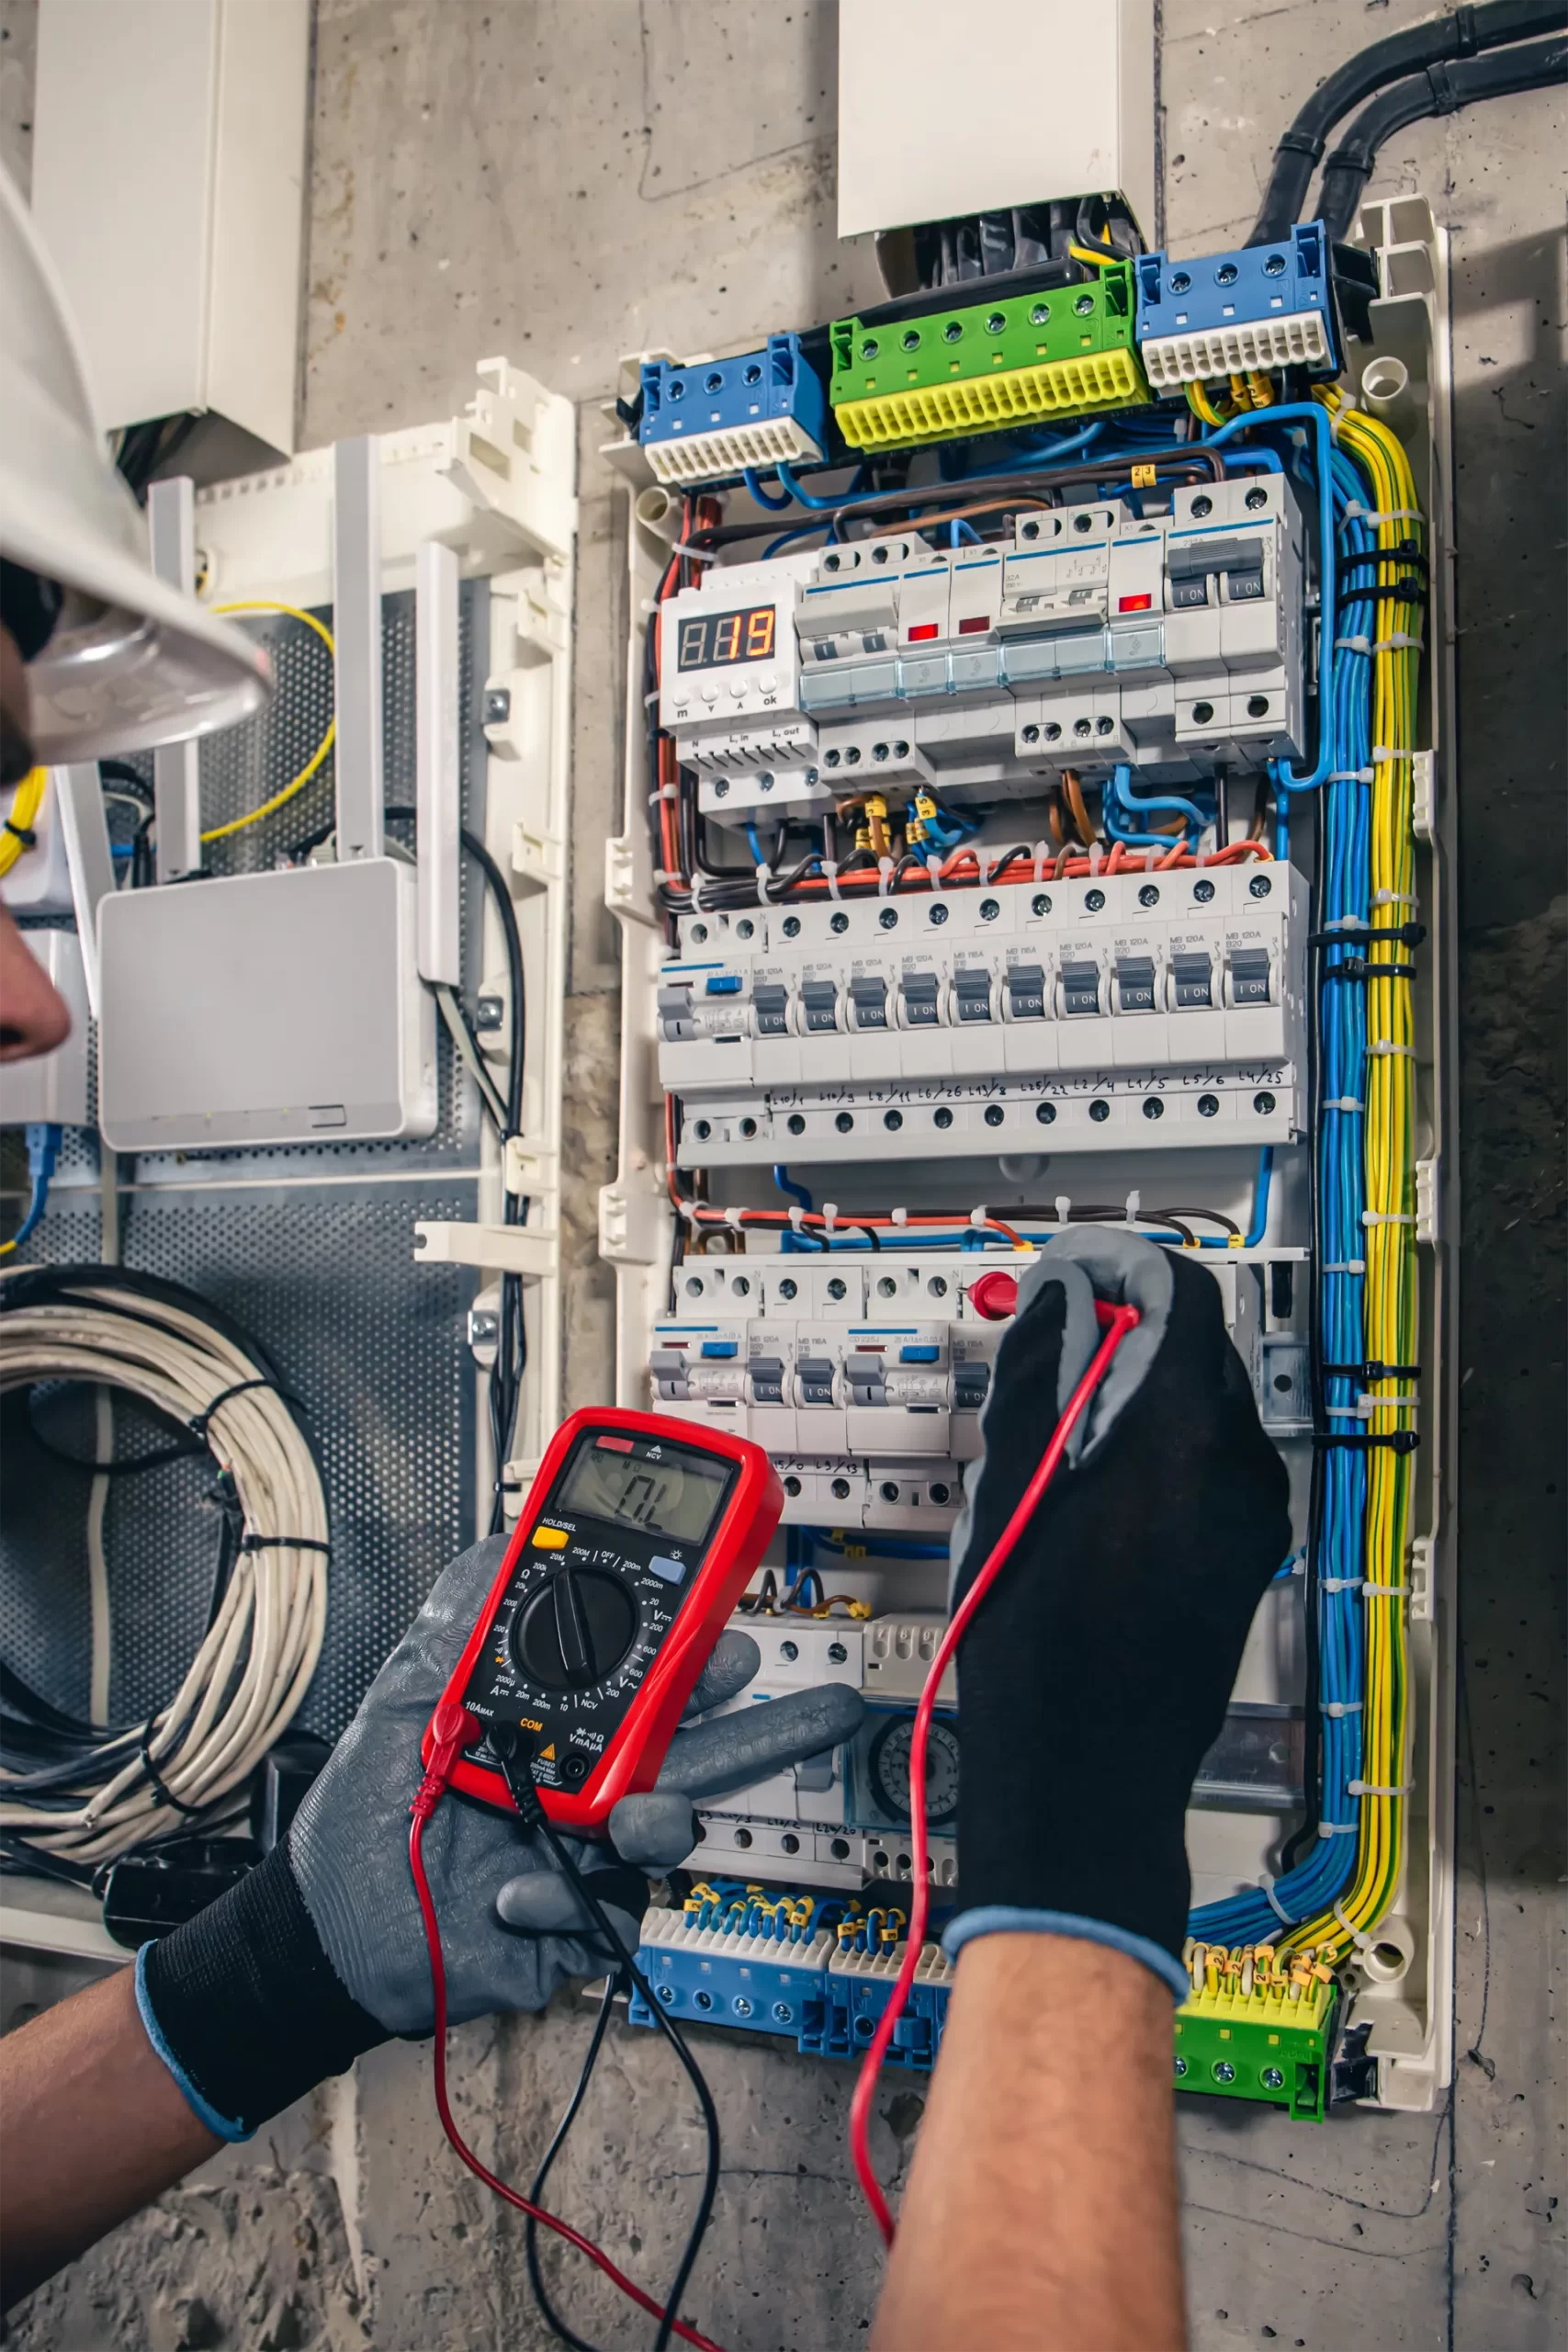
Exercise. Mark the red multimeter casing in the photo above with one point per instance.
(639, 1535)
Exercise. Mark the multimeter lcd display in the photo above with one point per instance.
(714, 637)
(663, 1489)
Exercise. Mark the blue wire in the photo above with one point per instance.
(763, 498)
(808, 498)
(43, 1147)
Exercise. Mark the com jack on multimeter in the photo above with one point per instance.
(639, 1536)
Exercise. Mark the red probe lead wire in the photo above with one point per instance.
(1117, 1321)
(438, 1986)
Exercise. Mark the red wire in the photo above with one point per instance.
(1118, 1322)
(551, 2221)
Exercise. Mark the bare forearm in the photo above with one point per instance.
(1042, 2207)
(94, 2128)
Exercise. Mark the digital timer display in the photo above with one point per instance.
(714, 637)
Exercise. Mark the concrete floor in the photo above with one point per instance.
(566, 180)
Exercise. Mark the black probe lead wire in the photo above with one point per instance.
(552, 2318)
(676, 2040)
(530, 1807)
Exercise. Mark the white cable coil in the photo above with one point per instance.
(247, 1679)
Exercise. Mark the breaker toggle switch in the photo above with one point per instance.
(1136, 984)
(994, 1297)
(1080, 990)
(1250, 975)
(1192, 975)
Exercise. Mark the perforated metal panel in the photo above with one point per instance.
(312, 1249)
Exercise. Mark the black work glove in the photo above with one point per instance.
(1095, 1674)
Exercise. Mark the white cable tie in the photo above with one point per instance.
(664, 792)
(1064, 1208)
(764, 876)
(978, 1219)
(1344, 1102)
(883, 876)
(1130, 1213)
(695, 555)
(1355, 512)
(934, 868)
(1337, 1828)
(1393, 514)
(1346, 1266)
(1347, 922)
(697, 905)
(829, 1215)
(1356, 1938)
(1266, 1888)
(1351, 776)
(690, 1211)
(1357, 1412)
(1387, 1591)
(1394, 899)
(1372, 1789)
(651, 697)
(648, 607)
(1340, 1584)
(1095, 860)
(1387, 1217)
(1387, 1045)
(1383, 754)
(1399, 642)
(1337, 1707)
(1351, 645)
(829, 867)
(797, 1215)
(901, 1217)
(1404, 1397)
(732, 1219)
(1041, 853)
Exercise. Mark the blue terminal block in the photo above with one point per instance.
(857, 1989)
(714, 416)
(1266, 305)
(739, 1959)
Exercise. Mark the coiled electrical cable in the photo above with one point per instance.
(102, 1790)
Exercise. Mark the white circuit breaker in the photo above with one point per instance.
(866, 1376)
(1124, 1011)
(1098, 637)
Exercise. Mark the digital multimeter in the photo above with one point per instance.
(639, 1535)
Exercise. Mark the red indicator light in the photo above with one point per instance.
(979, 621)
(612, 1444)
(925, 628)
(1133, 603)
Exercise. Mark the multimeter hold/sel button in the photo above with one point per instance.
(575, 1629)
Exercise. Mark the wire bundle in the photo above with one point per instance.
(103, 1792)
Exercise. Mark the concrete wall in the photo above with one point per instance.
(566, 180)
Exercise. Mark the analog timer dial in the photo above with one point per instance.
(889, 1767)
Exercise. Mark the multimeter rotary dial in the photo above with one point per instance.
(574, 1630)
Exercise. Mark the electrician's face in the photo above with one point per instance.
(33, 1017)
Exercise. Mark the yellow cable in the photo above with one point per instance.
(1198, 401)
(1082, 253)
(298, 784)
(21, 817)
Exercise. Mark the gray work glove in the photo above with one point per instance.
(320, 1953)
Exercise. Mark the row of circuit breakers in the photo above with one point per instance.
(866, 1377)
(1095, 639)
(1126, 1012)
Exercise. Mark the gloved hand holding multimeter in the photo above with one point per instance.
(589, 1643)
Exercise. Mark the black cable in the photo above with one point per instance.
(1464, 34)
(512, 1752)
(552, 2318)
(1441, 89)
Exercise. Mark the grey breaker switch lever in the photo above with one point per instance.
(1192, 978)
(1135, 983)
(868, 996)
(821, 999)
(919, 994)
(770, 1006)
(1250, 975)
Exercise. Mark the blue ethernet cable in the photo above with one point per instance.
(43, 1150)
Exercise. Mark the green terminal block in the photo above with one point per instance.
(1258, 2045)
(1019, 361)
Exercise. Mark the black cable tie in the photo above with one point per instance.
(1356, 968)
(163, 1794)
(1467, 40)
(1299, 143)
(1372, 1370)
(1409, 591)
(1403, 551)
(24, 834)
(282, 1544)
(1446, 98)
(1405, 934)
(1396, 1441)
(198, 1421)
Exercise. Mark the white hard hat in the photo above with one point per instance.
(131, 662)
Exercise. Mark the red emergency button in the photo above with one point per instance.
(994, 1297)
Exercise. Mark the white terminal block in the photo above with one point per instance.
(1123, 1011)
(1170, 644)
(866, 1377)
